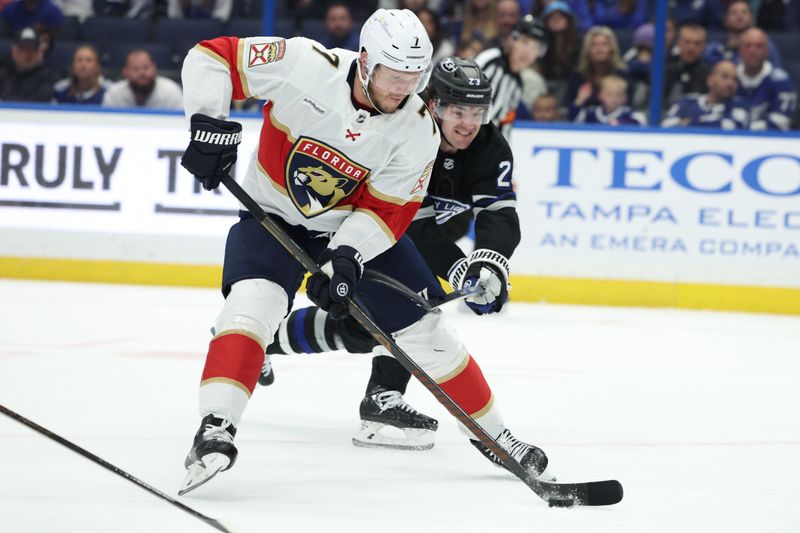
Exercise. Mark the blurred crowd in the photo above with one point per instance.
(731, 64)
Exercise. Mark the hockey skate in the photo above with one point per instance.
(387, 421)
(212, 452)
(267, 375)
(531, 458)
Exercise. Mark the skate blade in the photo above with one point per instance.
(377, 435)
(200, 472)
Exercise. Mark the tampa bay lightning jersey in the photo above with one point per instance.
(623, 115)
(770, 95)
(695, 110)
(475, 182)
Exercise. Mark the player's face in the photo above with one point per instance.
(389, 87)
(460, 123)
(523, 53)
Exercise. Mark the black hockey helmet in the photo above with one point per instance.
(530, 27)
(460, 81)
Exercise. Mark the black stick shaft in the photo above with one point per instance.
(105, 464)
(427, 304)
(384, 339)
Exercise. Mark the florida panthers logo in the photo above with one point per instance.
(319, 177)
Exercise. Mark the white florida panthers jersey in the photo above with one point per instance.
(321, 162)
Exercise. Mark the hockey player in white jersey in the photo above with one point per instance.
(343, 162)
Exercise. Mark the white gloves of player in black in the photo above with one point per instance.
(487, 269)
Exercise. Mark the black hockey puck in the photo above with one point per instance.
(561, 503)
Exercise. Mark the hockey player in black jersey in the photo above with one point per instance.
(471, 178)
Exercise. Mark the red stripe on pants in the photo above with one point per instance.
(236, 357)
(469, 388)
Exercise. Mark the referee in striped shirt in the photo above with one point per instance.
(502, 65)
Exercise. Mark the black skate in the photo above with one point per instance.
(530, 457)
(387, 421)
(267, 375)
(212, 452)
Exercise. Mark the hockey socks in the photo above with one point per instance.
(311, 330)
(469, 389)
(307, 330)
(232, 368)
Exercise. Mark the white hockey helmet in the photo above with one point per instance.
(396, 39)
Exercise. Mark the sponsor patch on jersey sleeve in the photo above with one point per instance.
(266, 53)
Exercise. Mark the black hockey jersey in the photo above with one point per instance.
(475, 182)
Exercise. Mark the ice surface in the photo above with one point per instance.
(697, 413)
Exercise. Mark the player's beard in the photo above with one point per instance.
(382, 103)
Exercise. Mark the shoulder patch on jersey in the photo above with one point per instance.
(266, 53)
(318, 176)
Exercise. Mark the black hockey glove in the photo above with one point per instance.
(212, 150)
(488, 269)
(341, 270)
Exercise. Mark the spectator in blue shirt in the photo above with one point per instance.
(719, 108)
(767, 89)
(41, 15)
(738, 19)
(85, 85)
(339, 26)
(612, 109)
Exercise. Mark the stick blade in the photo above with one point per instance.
(604, 492)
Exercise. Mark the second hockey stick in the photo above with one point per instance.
(427, 304)
(592, 493)
(105, 464)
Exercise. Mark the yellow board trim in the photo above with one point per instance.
(656, 294)
(525, 288)
(107, 271)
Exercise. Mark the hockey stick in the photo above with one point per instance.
(421, 301)
(556, 494)
(92, 457)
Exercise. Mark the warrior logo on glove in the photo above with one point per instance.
(319, 177)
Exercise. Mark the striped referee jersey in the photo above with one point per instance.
(506, 88)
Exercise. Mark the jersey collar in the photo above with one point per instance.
(753, 82)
